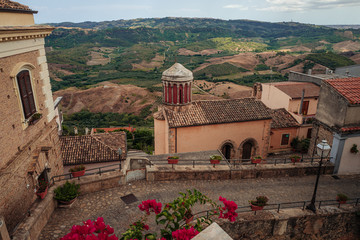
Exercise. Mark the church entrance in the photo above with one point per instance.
(247, 147)
(226, 150)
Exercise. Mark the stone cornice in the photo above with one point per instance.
(23, 33)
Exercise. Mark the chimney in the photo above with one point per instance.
(309, 71)
(326, 71)
(76, 131)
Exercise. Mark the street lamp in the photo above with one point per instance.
(323, 149)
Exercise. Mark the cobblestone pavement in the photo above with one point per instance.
(107, 203)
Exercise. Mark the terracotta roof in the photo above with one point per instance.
(130, 129)
(350, 129)
(294, 89)
(159, 115)
(349, 88)
(14, 6)
(93, 148)
(282, 119)
(218, 111)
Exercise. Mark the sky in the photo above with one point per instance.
(321, 12)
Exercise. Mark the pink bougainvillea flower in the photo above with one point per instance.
(231, 207)
(91, 230)
(184, 234)
(150, 205)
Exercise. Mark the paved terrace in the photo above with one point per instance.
(107, 203)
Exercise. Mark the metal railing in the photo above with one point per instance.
(91, 171)
(286, 205)
(235, 163)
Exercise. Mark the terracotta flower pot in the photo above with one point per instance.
(341, 202)
(78, 174)
(214, 161)
(67, 202)
(255, 161)
(188, 220)
(256, 208)
(172, 161)
(42, 195)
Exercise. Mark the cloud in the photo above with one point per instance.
(236, 6)
(306, 5)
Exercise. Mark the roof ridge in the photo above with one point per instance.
(101, 142)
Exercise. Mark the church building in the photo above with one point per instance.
(240, 128)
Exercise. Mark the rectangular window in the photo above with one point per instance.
(26, 93)
(285, 139)
(305, 108)
(309, 133)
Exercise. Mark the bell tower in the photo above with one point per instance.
(177, 83)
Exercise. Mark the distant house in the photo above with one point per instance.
(338, 122)
(239, 128)
(29, 142)
(97, 148)
(298, 98)
(284, 128)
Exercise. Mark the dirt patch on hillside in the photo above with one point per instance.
(346, 46)
(108, 97)
(356, 58)
(205, 52)
(281, 61)
(296, 49)
(157, 61)
(244, 60)
(232, 90)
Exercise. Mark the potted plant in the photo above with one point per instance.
(256, 160)
(188, 216)
(42, 189)
(215, 159)
(35, 118)
(295, 158)
(259, 203)
(67, 193)
(173, 159)
(341, 198)
(354, 149)
(78, 171)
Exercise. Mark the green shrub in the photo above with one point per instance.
(215, 157)
(67, 192)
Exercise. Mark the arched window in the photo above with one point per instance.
(26, 93)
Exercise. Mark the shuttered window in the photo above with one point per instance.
(26, 93)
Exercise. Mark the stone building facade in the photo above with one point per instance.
(29, 143)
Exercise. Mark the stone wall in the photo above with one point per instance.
(41, 211)
(161, 173)
(328, 223)
(319, 132)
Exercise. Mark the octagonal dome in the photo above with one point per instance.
(177, 72)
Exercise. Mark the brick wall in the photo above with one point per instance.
(23, 156)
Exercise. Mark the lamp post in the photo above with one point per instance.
(322, 150)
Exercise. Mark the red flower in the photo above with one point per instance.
(184, 234)
(231, 207)
(150, 205)
(91, 230)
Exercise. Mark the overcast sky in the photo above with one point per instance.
(305, 11)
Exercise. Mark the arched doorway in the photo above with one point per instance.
(226, 150)
(247, 149)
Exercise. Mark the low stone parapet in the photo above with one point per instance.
(181, 172)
